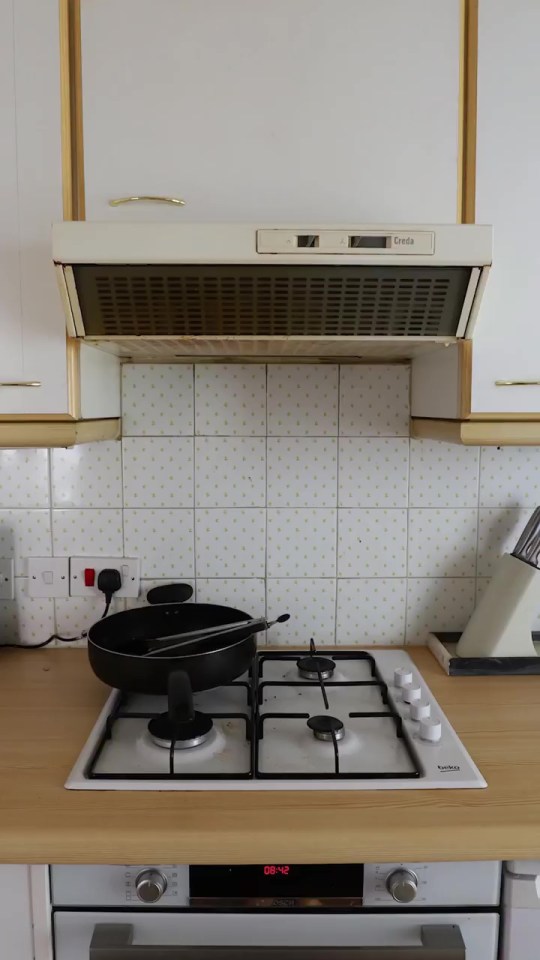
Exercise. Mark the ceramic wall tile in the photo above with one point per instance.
(248, 594)
(498, 533)
(374, 401)
(148, 584)
(75, 615)
(373, 472)
(230, 543)
(510, 477)
(372, 543)
(162, 539)
(24, 478)
(302, 472)
(91, 532)
(443, 475)
(302, 400)
(301, 543)
(89, 475)
(230, 471)
(24, 533)
(442, 543)
(157, 399)
(230, 400)
(158, 471)
(312, 608)
(26, 620)
(441, 603)
(371, 611)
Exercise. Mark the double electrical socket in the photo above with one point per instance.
(65, 576)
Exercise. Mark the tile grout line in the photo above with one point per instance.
(51, 534)
(477, 524)
(266, 498)
(405, 617)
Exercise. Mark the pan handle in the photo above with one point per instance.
(170, 593)
(180, 697)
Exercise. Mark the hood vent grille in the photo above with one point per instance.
(232, 300)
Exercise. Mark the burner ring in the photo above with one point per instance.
(326, 728)
(315, 668)
(186, 734)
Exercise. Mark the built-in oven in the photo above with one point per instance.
(413, 911)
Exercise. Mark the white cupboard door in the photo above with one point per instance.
(506, 343)
(277, 111)
(15, 913)
(10, 286)
(39, 190)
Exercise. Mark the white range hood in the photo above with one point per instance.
(151, 290)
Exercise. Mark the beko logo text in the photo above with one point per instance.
(408, 240)
(448, 768)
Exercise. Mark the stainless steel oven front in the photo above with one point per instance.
(396, 911)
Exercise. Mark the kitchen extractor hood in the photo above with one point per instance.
(150, 290)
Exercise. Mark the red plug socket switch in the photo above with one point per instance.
(89, 577)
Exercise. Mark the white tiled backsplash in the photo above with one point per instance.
(290, 488)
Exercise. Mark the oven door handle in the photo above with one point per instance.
(113, 941)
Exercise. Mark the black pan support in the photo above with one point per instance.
(255, 719)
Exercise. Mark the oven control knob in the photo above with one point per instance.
(150, 886)
(402, 885)
(430, 730)
(420, 710)
(402, 676)
(411, 693)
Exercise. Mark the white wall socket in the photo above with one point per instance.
(127, 567)
(7, 584)
(48, 577)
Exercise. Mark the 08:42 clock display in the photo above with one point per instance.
(276, 870)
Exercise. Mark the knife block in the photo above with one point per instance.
(501, 624)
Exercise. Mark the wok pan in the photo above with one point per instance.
(116, 650)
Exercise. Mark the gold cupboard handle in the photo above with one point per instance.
(517, 383)
(176, 201)
(21, 383)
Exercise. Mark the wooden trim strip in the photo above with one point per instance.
(468, 112)
(58, 434)
(465, 349)
(478, 433)
(71, 110)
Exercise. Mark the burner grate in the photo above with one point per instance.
(119, 713)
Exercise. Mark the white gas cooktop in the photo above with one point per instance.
(344, 721)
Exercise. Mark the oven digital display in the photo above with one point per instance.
(322, 880)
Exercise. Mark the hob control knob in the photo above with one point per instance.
(411, 693)
(150, 886)
(420, 710)
(430, 730)
(402, 885)
(402, 676)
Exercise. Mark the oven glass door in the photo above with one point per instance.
(283, 936)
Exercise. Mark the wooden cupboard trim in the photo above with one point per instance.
(484, 433)
(71, 110)
(73, 354)
(468, 83)
(465, 353)
(55, 433)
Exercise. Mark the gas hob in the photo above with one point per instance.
(301, 720)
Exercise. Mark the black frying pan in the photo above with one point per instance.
(116, 652)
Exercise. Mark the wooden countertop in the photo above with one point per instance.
(49, 701)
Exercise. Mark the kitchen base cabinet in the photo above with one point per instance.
(16, 913)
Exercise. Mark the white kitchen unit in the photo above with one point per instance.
(499, 371)
(39, 375)
(507, 338)
(315, 111)
(16, 912)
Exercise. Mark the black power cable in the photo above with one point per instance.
(109, 582)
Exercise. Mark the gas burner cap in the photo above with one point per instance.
(313, 668)
(190, 733)
(324, 727)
